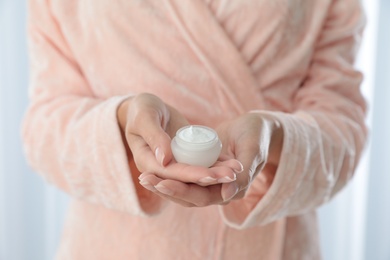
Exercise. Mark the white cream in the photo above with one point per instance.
(196, 134)
(196, 145)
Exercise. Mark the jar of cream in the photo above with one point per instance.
(196, 145)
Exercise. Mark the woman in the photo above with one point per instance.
(113, 81)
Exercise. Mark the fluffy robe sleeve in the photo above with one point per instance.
(72, 137)
(323, 138)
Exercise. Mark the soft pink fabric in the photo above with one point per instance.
(212, 60)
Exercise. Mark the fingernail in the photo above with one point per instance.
(141, 176)
(227, 179)
(147, 185)
(164, 190)
(160, 156)
(207, 179)
(230, 192)
(241, 168)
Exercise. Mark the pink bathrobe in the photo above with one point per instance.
(212, 60)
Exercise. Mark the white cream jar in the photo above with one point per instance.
(196, 145)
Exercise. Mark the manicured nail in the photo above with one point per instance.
(160, 156)
(230, 192)
(141, 176)
(241, 168)
(164, 190)
(227, 179)
(147, 185)
(207, 179)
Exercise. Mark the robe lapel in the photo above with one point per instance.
(218, 53)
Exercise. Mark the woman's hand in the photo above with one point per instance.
(148, 125)
(252, 139)
(256, 141)
(147, 117)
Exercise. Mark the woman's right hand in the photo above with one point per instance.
(148, 124)
(147, 116)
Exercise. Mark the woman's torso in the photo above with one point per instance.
(212, 60)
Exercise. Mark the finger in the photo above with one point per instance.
(225, 157)
(181, 193)
(148, 181)
(155, 136)
(150, 118)
(191, 193)
(229, 191)
(197, 174)
(223, 172)
(249, 154)
(145, 162)
(231, 163)
(149, 177)
(252, 158)
(177, 201)
(237, 190)
(144, 158)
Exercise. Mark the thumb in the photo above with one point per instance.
(252, 157)
(149, 119)
(151, 130)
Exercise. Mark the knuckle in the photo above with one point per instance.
(173, 193)
(150, 139)
(187, 205)
(140, 116)
(204, 202)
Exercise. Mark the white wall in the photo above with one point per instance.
(378, 210)
(343, 222)
(29, 216)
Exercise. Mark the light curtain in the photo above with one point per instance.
(352, 226)
(343, 222)
(31, 212)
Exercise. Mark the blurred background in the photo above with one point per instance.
(355, 225)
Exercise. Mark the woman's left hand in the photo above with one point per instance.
(253, 139)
